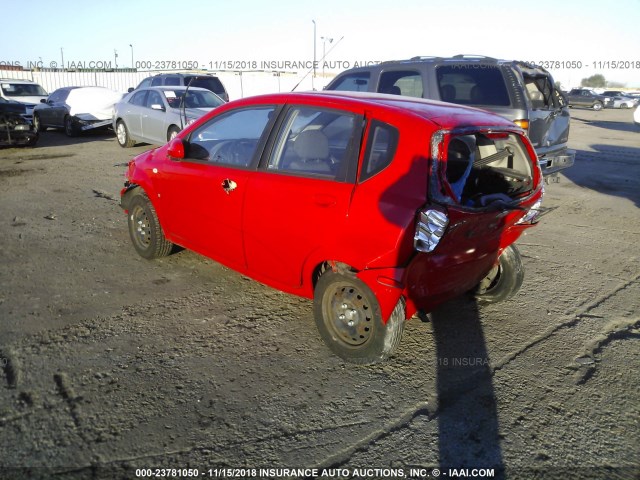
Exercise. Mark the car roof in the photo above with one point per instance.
(174, 87)
(448, 115)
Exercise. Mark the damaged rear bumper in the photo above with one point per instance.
(556, 161)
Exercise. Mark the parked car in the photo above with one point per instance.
(521, 92)
(624, 101)
(374, 206)
(210, 82)
(14, 128)
(636, 116)
(23, 91)
(76, 109)
(157, 114)
(584, 97)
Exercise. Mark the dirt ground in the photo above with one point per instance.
(110, 363)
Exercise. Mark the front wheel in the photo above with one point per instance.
(504, 280)
(349, 320)
(597, 106)
(70, 127)
(145, 230)
(37, 124)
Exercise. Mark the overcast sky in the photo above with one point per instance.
(589, 32)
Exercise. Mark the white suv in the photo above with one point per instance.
(23, 91)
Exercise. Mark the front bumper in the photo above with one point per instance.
(10, 136)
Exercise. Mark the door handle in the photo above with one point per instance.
(229, 185)
(323, 200)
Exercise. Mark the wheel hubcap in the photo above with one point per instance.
(348, 314)
(122, 135)
(140, 227)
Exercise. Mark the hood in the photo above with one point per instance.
(30, 100)
(192, 112)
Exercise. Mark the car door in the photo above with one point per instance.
(549, 117)
(297, 203)
(53, 114)
(154, 126)
(134, 109)
(202, 195)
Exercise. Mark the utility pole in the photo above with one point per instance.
(313, 78)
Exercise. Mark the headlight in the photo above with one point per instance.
(429, 230)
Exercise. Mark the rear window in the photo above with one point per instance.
(210, 83)
(473, 84)
(484, 168)
(353, 82)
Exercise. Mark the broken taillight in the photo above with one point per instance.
(430, 228)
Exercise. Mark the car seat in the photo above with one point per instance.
(312, 149)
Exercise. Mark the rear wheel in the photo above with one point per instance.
(504, 280)
(145, 230)
(122, 134)
(349, 320)
(597, 106)
(70, 127)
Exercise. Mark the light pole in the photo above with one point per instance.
(115, 55)
(62, 55)
(132, 64)
(324, 44)
(313, 78)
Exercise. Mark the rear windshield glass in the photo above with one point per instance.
(210, 83)
(473, 84)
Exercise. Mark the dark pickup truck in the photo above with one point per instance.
(14, 128)
(583, 97)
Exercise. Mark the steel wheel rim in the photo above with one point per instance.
(140, 228)
(121, 134)
(36, 123)
(67, 125)
(489, 282)
(173, 135)
(348, 314)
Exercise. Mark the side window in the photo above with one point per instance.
(231, 138)
(139, 98)
(381, 148)
(59, 96)
(354, 82)
(472, 85)
(153, 98)
(314, 142)
(156, 81)
(406, 82)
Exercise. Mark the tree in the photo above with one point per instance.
(594, 81)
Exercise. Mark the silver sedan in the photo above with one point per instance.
(156, 114)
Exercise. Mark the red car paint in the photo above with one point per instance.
(279, 228)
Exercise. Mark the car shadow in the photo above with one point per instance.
(629, 126)
(57, 138)
(612, 170)
(468, 426)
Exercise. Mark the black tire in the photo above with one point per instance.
(172, 132)
(70, 127)
(348, 318)
(597, 106)
(624, 106)
(37, 124)
(145, 229)
(122, 134)
(504, 280)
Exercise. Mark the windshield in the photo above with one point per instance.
(194, 99)
(23, 90)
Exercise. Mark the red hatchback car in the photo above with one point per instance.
(375, 206)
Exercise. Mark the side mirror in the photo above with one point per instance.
(175, 149)
(43, 100)
(157, 106)
(130, 89)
